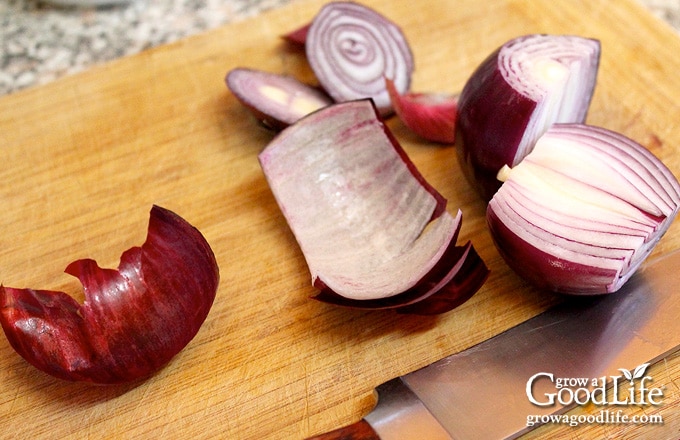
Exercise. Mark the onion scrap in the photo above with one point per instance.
(133, 321)
(374, 233)
(275, 100)
(432, 116)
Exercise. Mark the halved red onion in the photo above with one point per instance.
(374, 233)
(516, 94)
(276, 100)
(351, 48)
(133, 320)
(582, 211)
(431, 116)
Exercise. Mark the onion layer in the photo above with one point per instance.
(374, 233)
(351, 48)
(133, 320)
(582, 211)
(516, 94)
(431, 116)
(276, 100)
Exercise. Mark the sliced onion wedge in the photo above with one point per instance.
(276, 100)
(351, 48)
(582, 211)
(431, 116)
(133, 320)
(373, 232)
(516, 94)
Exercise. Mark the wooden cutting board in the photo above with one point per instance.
(84, 158)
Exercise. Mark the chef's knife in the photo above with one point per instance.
(483, 392)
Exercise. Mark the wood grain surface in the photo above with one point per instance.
(84, 158)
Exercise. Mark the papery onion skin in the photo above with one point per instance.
(432, 116)
(351, 48)
(133, 321)
(493, 116)
(374, 233)
(629, 195)
(275, 100)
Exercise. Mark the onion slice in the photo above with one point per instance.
(516, 94)
(351, 48)
(373, 232)
(431, 116)
(276, 100)
(583, 210)
(133, 320)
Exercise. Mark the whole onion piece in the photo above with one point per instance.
(374, 233)
(582, 211)
(516, 94)
(352, 48)
(133, 320)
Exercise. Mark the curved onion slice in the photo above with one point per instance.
(374, 233)
(276, 100)
(516, 94)
(133, 320)
(582, 211)
(351, 48)
(431, 116)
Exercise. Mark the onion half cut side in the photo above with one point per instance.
(582, 211)
(373, 232)
(351, 48)
(275, 100)
(133, 321)
(516, 94)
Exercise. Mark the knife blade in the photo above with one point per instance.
(484, 392)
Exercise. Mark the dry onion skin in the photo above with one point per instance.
(373, 232)
(516, 94)
(133, 321)
(351, 49)
(583, 210)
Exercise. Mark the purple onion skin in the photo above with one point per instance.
(467, 281)
(492, 117)
(134, 319)
(543, 270)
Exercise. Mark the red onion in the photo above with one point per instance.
(297, 37)
(133, 320)
(276, 100)
(374, 233)
(351, 48)
(516, 94)
(431, 116)
(582, 211)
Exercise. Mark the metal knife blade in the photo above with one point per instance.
(481, 393)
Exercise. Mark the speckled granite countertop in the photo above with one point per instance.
(40, 43)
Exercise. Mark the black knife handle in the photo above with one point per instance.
(360, 430)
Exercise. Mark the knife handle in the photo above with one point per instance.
(360, 430)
